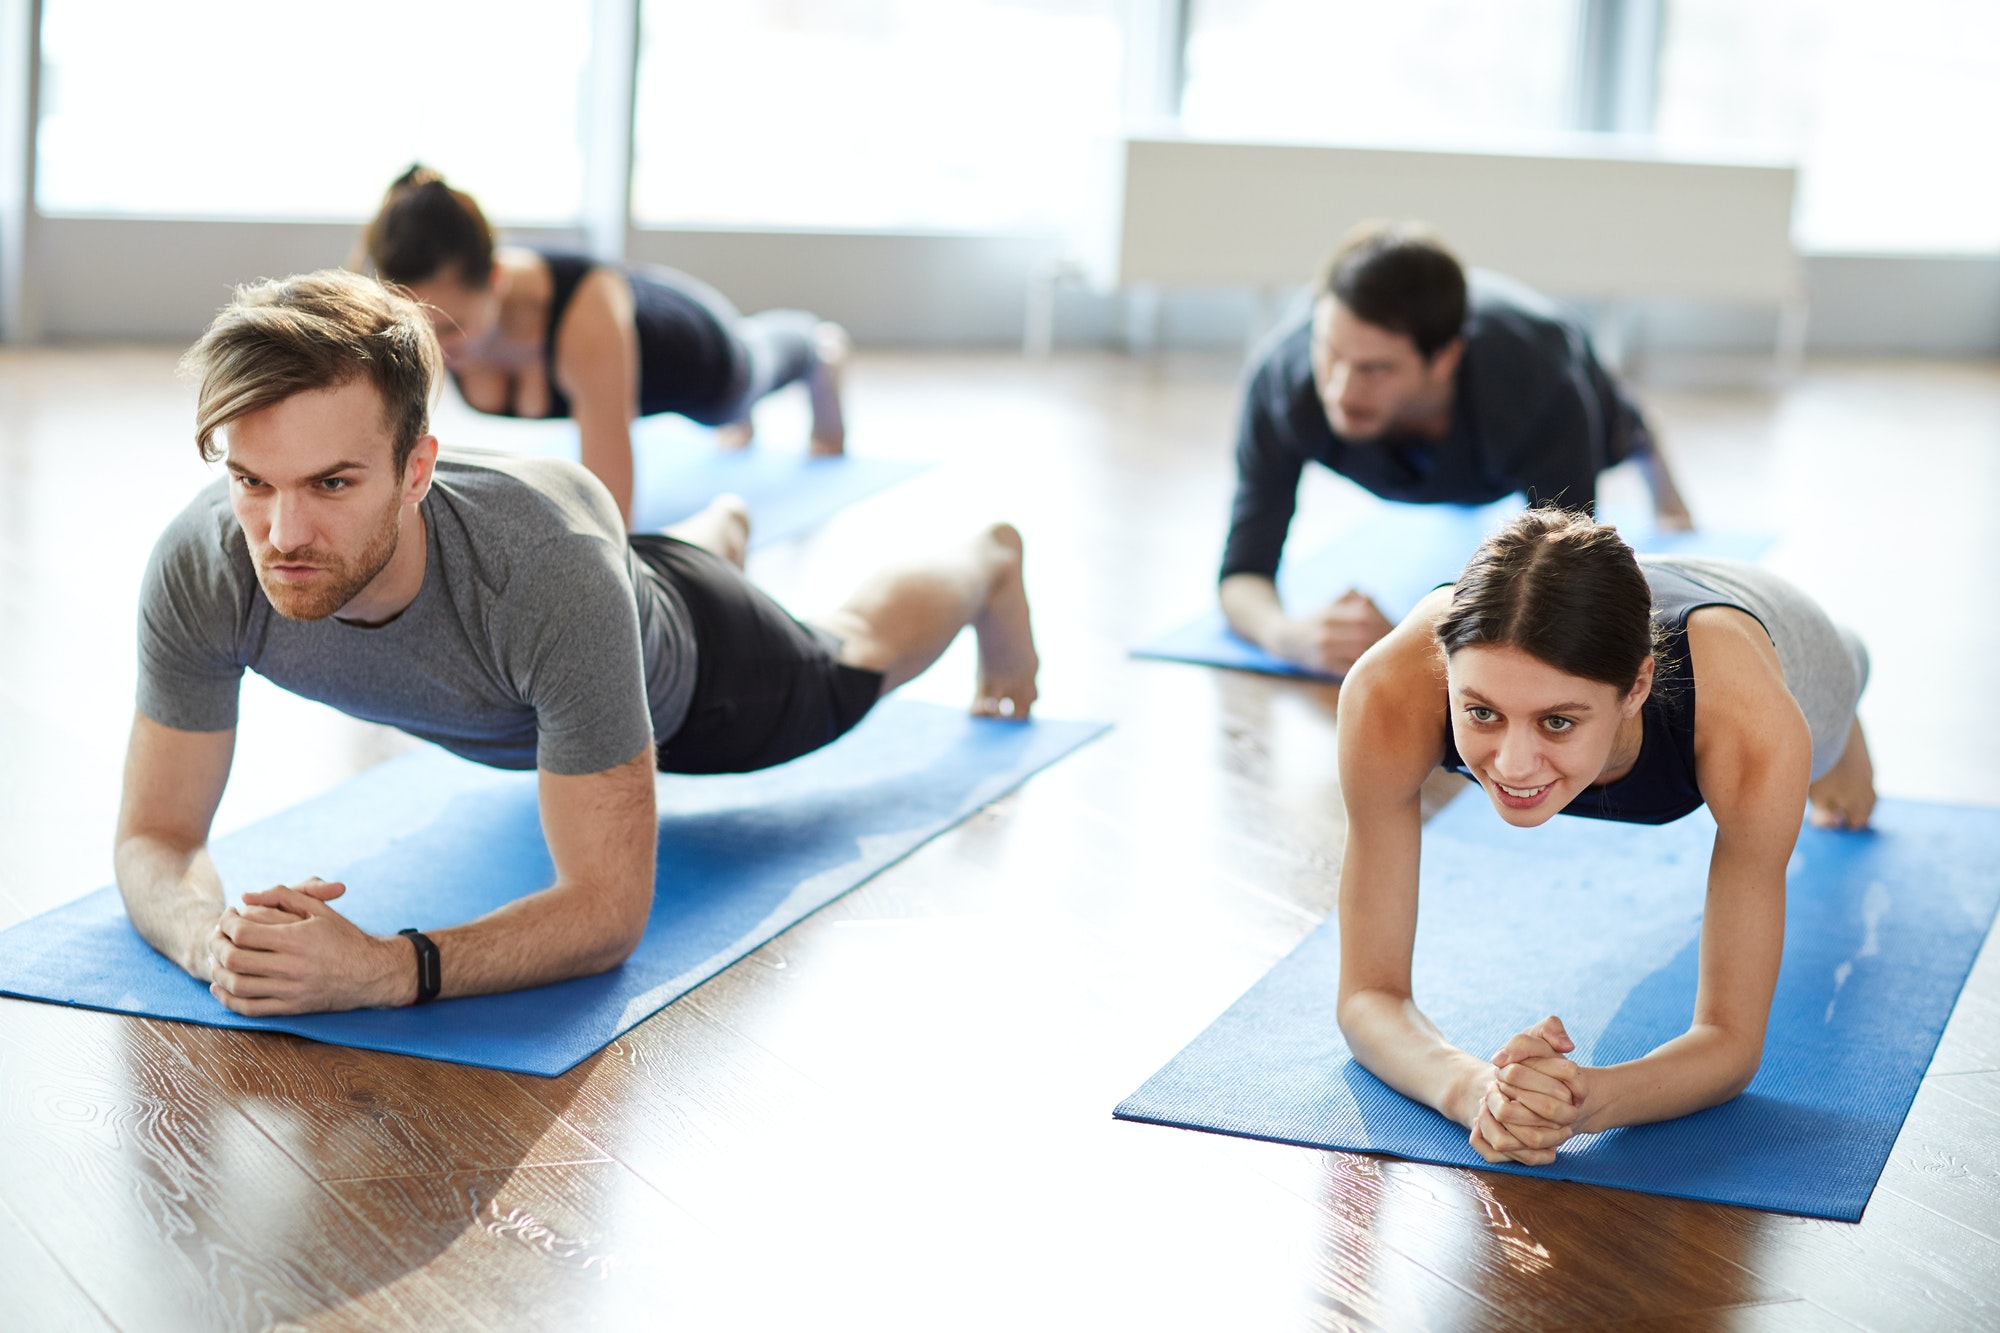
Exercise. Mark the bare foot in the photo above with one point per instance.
(829, 428)
(1007, 658)
(1845, 797)
(734, 435)
(723, 528)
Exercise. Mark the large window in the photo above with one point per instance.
(308, 108)
(965, 115)
(1890, 111)
(1362, 71)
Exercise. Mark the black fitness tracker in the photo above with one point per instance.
(430, 975)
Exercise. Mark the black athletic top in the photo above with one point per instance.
(689, 360)
(1661, 786)
(1532, 412)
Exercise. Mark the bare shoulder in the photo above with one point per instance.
(1392, 708)
(603, 302)
(1732, 660)
(1751, 740)
(597, 341)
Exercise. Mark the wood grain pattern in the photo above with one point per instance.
(343, 1113)
(1900, 1267)
(566, 1246)
(897, 1114)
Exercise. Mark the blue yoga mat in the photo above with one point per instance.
(430, 840)
(1397, 557)
(677, 468)
(1598, 925)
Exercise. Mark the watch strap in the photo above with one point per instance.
(430, 972)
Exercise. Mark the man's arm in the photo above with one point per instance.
(173, 782)
(1670, 510)
(1268, 469)
(1330, 639)
(601, 830)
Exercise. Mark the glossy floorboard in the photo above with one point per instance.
(898, 1114)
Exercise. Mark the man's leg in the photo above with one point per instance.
(901, 620)
(723, 529)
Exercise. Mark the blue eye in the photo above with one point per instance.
(335, 484)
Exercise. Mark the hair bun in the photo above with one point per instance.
(417, 177)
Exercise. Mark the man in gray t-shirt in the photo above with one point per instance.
(493, 605)
(544, 641)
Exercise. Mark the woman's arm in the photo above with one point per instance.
(1392, 720)
(597, 368)
(1753, 757)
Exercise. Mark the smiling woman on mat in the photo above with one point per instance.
(543, 333)
(1564, 674)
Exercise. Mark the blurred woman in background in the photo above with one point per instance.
(529, 332)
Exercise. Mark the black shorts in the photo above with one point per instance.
(767, 688)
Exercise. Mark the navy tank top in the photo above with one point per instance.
(690, 360)
(1661, 786)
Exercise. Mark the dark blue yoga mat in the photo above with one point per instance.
(677, 468)
(430, 840)
(1396, 557)
(1597, 922)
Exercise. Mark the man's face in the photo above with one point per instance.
(313, 482)
(1373, 382)
(462, 315)
(1532, 736)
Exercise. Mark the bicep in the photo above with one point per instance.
(597, 355)
(174, 781)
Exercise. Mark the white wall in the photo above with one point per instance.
(102, 279)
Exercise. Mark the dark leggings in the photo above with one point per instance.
(778, 349)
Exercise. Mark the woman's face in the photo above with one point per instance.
(463, 315)
(1532, 735)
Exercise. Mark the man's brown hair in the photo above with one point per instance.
(321, 330)
(1401, 277)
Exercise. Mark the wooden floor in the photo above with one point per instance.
(898, 1114)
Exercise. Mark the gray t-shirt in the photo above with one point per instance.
(536, 641)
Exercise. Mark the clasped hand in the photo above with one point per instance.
(1334, 637)
(286, 952)
(1534, 1100)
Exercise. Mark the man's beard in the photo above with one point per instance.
(339, 582)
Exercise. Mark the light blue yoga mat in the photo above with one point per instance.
(428, 840)
(677, 468)
(1396, 557)
(1596, 922)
